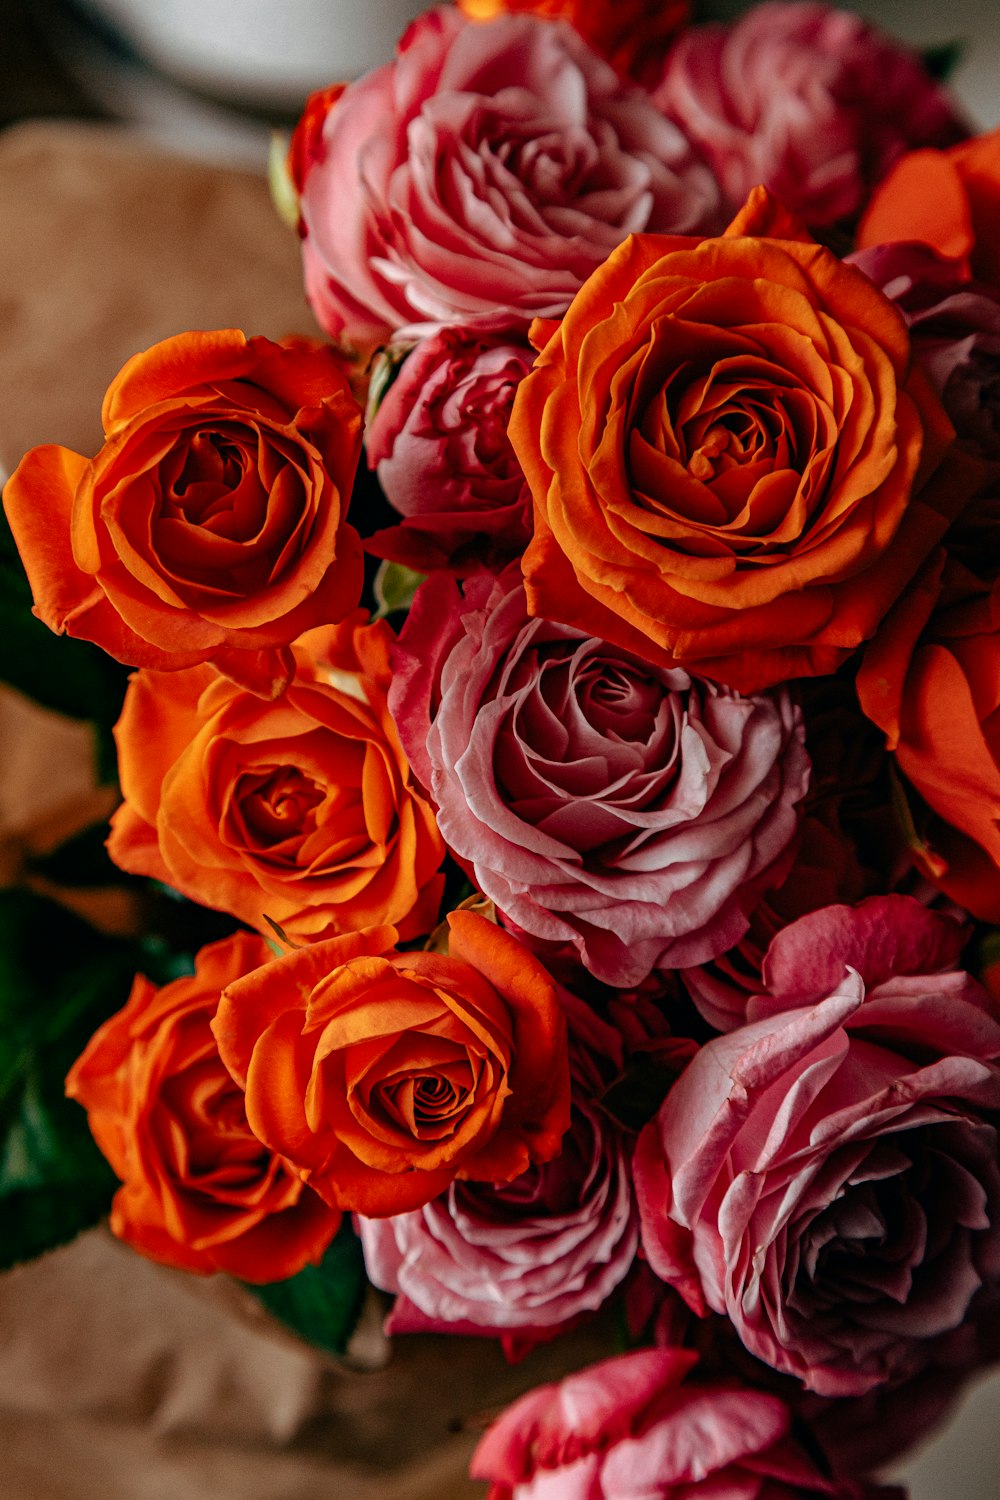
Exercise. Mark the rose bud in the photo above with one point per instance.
(439, 444)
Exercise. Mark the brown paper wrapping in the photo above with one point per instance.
(121, 1380)
(108, 247)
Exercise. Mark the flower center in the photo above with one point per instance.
(274, 804)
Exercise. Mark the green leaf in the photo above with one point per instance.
(385, 366)
(72, 677)
(42, 1220)
(395, 586)
(279, 179)
(942, 60)
(59, 980)
(322, 1303)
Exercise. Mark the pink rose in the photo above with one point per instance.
(827, 1176)
(810, 101)
(632, 1428)
(526, 1255)
(630, 810)
(439, 444)
(481, 176)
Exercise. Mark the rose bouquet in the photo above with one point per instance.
(559, 830)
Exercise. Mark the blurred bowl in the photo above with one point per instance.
(266, 53)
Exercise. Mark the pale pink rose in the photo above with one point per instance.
(827, 1176)
(481, 176)
(632, 1428)
(630, 810)
(813, 102)
(527, 1255)
(439, 444)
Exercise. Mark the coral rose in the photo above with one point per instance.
(828, 1175)
(809, 100)
(631, 34)
(949, 200)
(303, 810)
(200, 1191)
(526, 1255)
(439, 443)
(384, 1076)
(931, 681)
(630, 810)
(734, 464)
(481, 176)
(210, 527)
(634, 1426)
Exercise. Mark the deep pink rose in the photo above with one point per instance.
(630, 810)
(530, 1254)
(481, 176)
(810, 101)
(827, 1176)
(439, 443)
(632, 1428)
(871, 1431)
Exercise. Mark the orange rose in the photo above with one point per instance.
(200, 1191)
(383, 1076)
(631, 34)
(734, 465)
(210, 526)
(931, 681)
(302, 810)
(947, 199)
